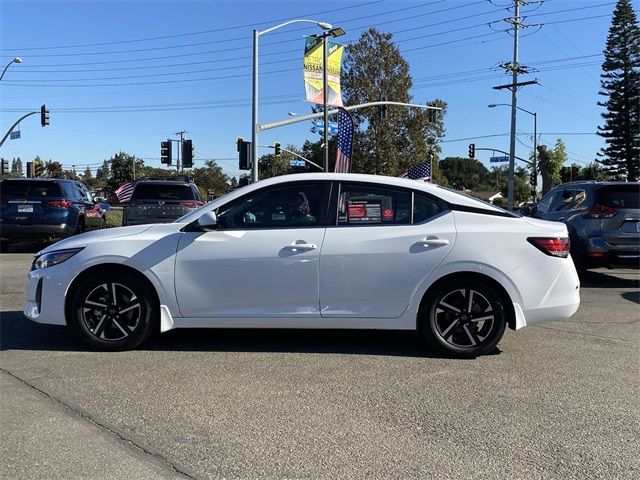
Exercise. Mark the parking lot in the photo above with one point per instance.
(557, 400)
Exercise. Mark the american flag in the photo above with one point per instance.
(124, 192)
(421, 171)
(345, 142)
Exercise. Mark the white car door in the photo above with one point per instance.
(263, 259)
(383, 244)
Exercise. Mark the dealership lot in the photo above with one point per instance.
(556, 401)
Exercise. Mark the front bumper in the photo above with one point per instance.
(46, 292)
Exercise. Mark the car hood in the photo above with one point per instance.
(80, 241)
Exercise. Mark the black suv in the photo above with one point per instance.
(44, 209)
(603, 219)
(160, 201)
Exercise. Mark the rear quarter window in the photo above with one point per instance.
(623, 196)
(34, 189)
(158, 191)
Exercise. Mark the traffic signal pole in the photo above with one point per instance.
(15, 125)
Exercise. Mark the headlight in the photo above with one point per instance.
(53, 258)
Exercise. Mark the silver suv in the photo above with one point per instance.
(603, 219)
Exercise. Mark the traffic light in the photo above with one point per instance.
(276, 149)
(432, 115)
(533, 179)
(165, 152)
(4, 167)
(187, 154)
(382, 109)
(472, 150)
(244, 154)
(30, 172)
(38, 168)
(44, 116)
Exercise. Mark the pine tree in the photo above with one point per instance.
(620, 83)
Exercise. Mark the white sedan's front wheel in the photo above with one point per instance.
(464, 318)
(113, 311)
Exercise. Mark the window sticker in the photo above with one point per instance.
(364, 211)
(278, 217)
(387, 213)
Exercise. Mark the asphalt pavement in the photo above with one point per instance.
(555, 401)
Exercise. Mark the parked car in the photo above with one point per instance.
(315, 251)
(160, 201)
(45, 208)
(603, 219)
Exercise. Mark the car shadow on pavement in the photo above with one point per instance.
(602, 279)
(19, 333)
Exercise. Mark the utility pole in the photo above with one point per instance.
(514, 68)
(178, 166)
(325, 97)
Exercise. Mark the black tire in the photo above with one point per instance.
(108, 325)
(452, 329)
(4, 246)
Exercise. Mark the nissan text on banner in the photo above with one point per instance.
(313, 71)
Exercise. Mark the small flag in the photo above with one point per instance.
(124, 192)
(421, 172)
(345, 142)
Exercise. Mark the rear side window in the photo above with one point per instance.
(364, 205)
(160, 191)
(623, 196)
(19, 188)
(425, 207)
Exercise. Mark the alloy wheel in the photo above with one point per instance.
(111, 311)
(464, 318)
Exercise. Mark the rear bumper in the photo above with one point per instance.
(12, 231)
(601, 251)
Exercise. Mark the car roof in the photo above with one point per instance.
(37, 179)
(163, 182)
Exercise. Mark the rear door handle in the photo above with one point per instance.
(301, 247)
(433, 242)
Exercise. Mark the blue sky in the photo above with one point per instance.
(129, 90)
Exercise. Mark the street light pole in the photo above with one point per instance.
(15, 60)
(534, 165)
(325, 96)
(254, 103)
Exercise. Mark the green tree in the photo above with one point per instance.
(620, 82)
(521, 187)
(466, 173)
(16, 166)
(103, 173)
(121, 166)
(593, 171)
(374, 67)
(571, 173)
(54, 169)
(211, 178)
(550, 162)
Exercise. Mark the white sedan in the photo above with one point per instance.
(314, 251)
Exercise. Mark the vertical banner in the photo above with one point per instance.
(313, 71)
(345, 142)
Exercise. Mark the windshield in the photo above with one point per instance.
(191, 216)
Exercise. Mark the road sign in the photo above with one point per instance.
(15, 135)
(297, 163)
(333, 126)
(499, 159)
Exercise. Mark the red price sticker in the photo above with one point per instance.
(387, 213)
(356, 211)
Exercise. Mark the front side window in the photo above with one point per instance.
(288, 207)
(364, 205)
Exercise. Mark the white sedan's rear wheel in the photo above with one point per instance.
(464, 318)
(113, 311)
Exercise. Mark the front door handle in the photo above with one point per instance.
(433, 242)
(301, 247)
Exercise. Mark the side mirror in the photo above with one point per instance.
(208, 221)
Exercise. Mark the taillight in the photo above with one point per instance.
(60, 203)
(600, 211)
(191, 204)
(555, 247)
